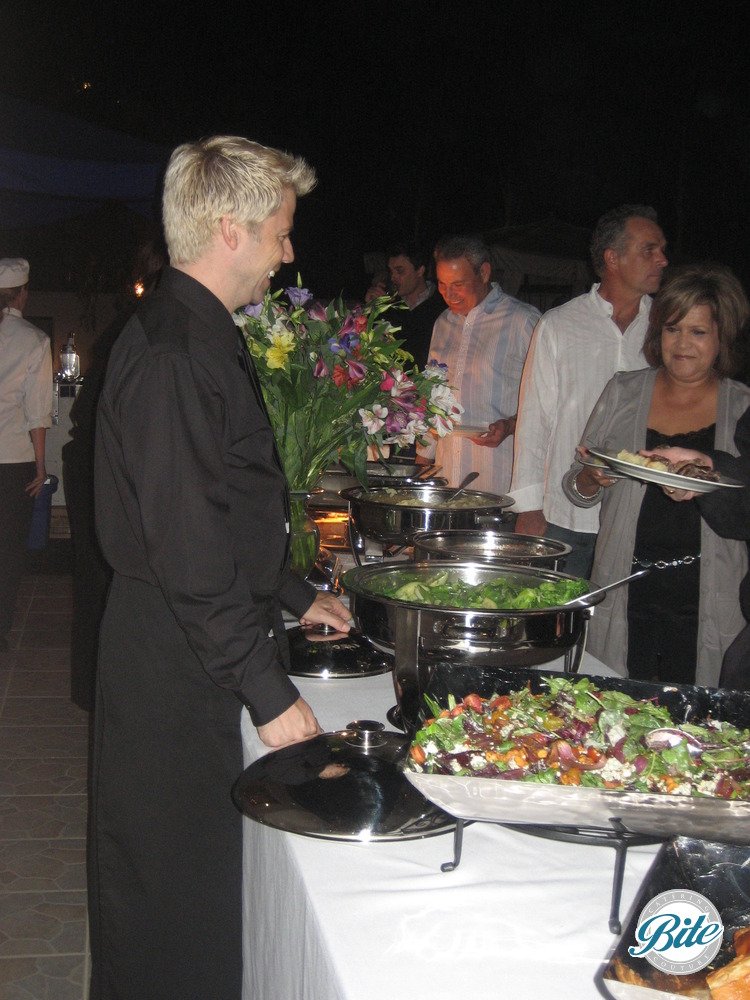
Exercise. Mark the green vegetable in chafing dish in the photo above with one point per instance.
(410, 498)
(447, 590)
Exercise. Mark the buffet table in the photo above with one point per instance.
(520, 917)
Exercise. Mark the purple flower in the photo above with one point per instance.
(396, 422)
(298, 296)
(317, 311)
(349, 341)
(357, 371)
(412, 403)
(253, 310)
(436, 369)
(321, 369)
(347, 326)
(335, 347)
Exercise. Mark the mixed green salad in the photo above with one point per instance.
(446, 589)
(576, 734)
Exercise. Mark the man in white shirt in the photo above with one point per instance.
(482, 337)
(25, 414)
(576, 349)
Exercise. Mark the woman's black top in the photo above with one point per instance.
(663, 606)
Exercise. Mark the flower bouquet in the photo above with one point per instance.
(336, 380)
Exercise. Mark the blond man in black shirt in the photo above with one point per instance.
(192, 515)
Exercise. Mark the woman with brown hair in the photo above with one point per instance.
(676, 623)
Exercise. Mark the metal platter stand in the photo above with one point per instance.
(618, 837)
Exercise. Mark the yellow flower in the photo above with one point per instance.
(276, 357)
(282, 345)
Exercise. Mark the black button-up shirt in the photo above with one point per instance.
(190, 496)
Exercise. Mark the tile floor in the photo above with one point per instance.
(43, 747)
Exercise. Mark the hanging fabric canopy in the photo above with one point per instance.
(76, 199)
(54, 166)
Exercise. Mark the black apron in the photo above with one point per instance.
(167, 749)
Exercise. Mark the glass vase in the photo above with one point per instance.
(304, 542)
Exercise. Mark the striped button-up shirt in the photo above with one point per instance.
(485, 353)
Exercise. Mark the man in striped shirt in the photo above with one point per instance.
(482, 337)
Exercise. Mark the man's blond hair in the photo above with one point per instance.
(225, 175)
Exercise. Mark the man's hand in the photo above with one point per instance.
(34, 488)
(530, 522)
(589, 480)
(293, 726)
(496, 433)
(327, 610)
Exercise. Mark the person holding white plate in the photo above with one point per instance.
(483, 337)
(675, 624)
(728, 513)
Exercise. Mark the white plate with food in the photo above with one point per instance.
(657, 472)
(598, 463)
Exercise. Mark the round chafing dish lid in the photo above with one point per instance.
(317, 652)
(430, 497)
(346, 785)
(472, 544)
(406, 482)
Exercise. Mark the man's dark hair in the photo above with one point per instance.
(473, 248)
(416, 256)
(609, 231)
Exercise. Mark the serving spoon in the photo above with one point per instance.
(431, 470)
(464, 483)
(584, 598)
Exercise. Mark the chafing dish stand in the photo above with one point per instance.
(618, 838)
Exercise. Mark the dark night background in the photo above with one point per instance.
(427, 118)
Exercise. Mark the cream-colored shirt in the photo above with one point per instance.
(484, 352)
(575, 351)
(25, 385)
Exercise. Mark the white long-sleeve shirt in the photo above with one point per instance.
(25, 385)
(484, 352)
(575, 351)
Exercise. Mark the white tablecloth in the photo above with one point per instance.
(521, 917)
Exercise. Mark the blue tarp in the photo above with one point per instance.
(54, 166)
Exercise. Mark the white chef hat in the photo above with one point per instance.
(14, 272)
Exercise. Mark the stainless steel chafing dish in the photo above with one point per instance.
(393, 472)
(371, 516)
(657, 815)
(491, 547)
(417, 633)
